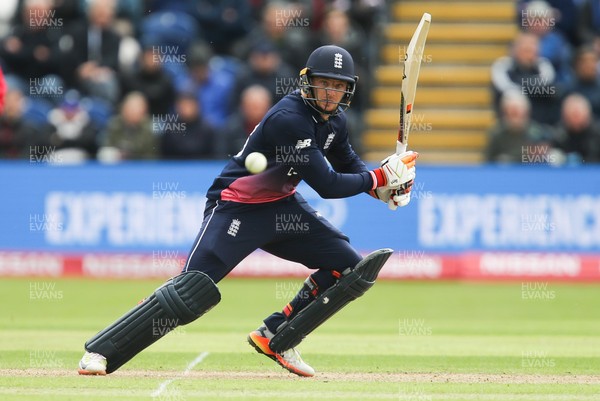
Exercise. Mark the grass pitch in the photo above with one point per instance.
(416, 341)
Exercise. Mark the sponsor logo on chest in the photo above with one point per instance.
(329, 141)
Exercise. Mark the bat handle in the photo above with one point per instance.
(400, 148)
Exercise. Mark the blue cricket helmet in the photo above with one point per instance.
(330, 62)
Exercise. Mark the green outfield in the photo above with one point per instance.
(417, 341)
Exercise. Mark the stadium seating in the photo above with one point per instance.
(453, 103)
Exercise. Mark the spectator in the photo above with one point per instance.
(131, 131)
(578, 134)
(8, 10)
(365, 13)
(265, 68)
(337, 30)
(74, 136)
(255, 101)
(532, 75)
(562, 15)
(211, 83)
(30, 50)
(516, 135)
(17, 135)
(586, 80)
(152, 81)
(588, 22)
(541, 20)
(90, 59)
(191, 137)
(286, 26)
(223, 22)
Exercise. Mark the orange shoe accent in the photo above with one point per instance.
(261, 344)
(88, 373)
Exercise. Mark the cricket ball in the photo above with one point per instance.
(255, 162)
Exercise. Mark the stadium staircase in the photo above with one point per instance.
(453, 102)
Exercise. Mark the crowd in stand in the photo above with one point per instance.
(178, 79)
(547, 91)
(159, 79)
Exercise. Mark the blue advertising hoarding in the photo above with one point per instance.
(138, 207)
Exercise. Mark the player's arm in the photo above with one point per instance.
(286, 131)
(342, 156)
(343, 159)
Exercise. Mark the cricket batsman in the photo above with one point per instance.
(298, 136)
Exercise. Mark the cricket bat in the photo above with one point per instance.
(412, 64)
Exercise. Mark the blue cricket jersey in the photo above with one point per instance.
(297, 143)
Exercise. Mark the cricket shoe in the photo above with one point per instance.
(289, 359)
(92, 364)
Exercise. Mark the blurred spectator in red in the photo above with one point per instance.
(17, 134)
(30, 50)
(255, 101)
(190, 136)
(14, 139)
(223, 22)
(149, 78)
(210, 81)
(130, 133)
(90, 52)
(265, 68)
(74, 136)
(586, 81)
(287, 26)
(2, 90)
(578, 135)
(525, 71)
(540, 19)
(516, 135)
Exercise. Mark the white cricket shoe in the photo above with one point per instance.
(92, 364)
(289, 359)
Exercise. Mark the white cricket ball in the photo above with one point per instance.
(256, 162)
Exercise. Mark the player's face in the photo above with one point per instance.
(329, 92)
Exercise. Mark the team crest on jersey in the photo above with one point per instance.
(234, 227)
(329, 140)
(337, 60)
(303, 143)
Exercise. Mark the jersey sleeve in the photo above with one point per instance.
(292, 137)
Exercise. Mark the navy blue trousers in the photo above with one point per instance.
(288, 228)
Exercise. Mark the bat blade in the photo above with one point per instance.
(412, 64)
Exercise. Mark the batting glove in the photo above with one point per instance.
(398, 199)
(395, 170)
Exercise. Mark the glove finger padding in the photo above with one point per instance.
(409, 158)
(406, 187)
(398, 200)
(401, 200)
